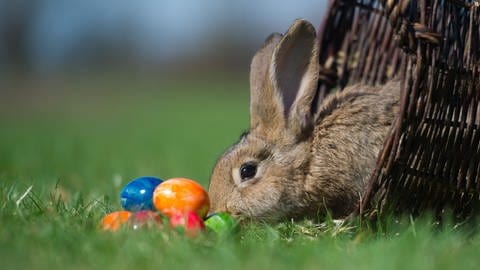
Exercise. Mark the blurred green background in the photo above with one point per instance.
(95, 136)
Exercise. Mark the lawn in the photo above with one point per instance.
(67, 147)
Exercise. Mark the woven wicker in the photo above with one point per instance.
(431, 157)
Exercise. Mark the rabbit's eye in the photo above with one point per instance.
(248, 170)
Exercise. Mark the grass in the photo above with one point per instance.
(66, 149)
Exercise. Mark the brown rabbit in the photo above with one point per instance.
(298, 160)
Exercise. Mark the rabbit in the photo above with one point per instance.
(300, 160)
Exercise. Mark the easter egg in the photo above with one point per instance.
(181, 195)
(191, 222)
(114, 220)
(221, 223)
(137, 195)
(145, 219)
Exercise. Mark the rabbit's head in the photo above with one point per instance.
(262, 176)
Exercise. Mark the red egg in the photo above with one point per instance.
(191, 222)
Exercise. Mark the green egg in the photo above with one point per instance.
(221, 223)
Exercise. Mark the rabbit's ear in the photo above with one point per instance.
(265, 108)
(294, 74)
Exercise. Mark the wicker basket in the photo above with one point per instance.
(431, 157)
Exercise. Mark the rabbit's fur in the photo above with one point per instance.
(308, 160)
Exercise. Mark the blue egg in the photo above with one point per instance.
(137, 195)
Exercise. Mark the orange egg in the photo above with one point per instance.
(181, 195)
(112, 221)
